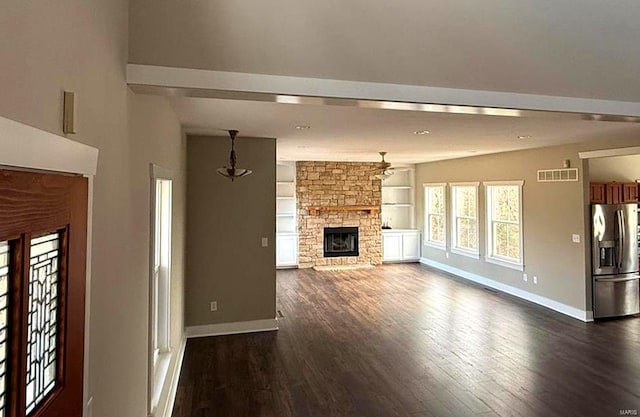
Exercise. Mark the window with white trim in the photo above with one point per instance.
(160, 285)
(464, 219)
(504, 224)
(435, 215)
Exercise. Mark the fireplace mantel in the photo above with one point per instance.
(313, 211)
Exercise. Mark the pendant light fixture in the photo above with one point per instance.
(231, 171)
(385, 168)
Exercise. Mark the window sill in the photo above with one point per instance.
(505, 263)
(470, 254)
(160, 371)
(435, 245)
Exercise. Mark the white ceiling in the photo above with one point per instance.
(357, 134)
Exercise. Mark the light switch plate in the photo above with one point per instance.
(265, 242)
(575, 238)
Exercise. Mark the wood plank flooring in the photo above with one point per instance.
(406, 340)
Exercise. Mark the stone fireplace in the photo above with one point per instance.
(338, 213)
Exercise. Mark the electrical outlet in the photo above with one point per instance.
(213, 305)
(265, 242)
(535, 279)
(575, 238)
(446, 254)
(525, 278)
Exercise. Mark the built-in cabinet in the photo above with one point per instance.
(400, 245)
(613, 192)
(400, 241)
(286, 228)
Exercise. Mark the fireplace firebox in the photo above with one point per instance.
(340, 241)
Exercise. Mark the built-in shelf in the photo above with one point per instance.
(286, 224)
(398, 203)
(368, 209)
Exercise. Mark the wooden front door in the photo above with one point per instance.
(43, 241)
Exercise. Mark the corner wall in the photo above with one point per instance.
(226, 222)
(81, 46)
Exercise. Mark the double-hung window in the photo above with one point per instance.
(504, 223)
(160, 285)
(435, 215)
(464, 219)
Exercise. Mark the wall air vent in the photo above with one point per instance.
(558, 175)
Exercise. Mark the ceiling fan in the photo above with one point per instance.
(385, 168)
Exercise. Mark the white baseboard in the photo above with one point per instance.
(175, 377)
(576, 313)
(232, 328)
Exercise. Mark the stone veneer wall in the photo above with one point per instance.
(338, 184)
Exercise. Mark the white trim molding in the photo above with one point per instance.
(576, 313)
(23, 146)
(632, 150)
(237, 327)
(175, 377)
(289, 89)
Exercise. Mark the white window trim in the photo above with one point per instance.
(454, 232)
(159, 359)
(426, 241)
(497, 260)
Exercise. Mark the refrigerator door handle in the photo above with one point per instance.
(622, 279)
(620, 219)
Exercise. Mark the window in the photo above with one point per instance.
(160, 283)
(504, 224)
(434, 215)
(464, 221)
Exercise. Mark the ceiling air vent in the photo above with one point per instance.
(558, 175)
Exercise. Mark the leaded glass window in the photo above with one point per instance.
(42, 319)
(4, 330)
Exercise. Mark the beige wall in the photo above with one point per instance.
(81, 46)
(225, 224)
(619, 168)
(552, 213)
(436, 43)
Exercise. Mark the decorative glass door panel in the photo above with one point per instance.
(42, 320)
(43, 223)
(4, 315)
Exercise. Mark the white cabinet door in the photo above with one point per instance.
(287, 250)
(391, 246)
(410, 246)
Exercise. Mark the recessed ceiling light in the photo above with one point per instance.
(303, 127)
(524, 136)
(421, 132)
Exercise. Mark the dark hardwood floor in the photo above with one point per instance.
(405, 340)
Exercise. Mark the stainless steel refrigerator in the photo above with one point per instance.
(615, 260)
